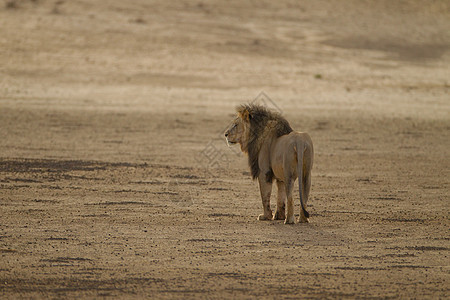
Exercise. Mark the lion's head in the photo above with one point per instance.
(253, 126)
(238, 131)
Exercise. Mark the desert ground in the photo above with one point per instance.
(116, 181)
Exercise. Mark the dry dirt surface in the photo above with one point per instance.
(116, 182)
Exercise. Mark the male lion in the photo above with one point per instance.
(274, 151)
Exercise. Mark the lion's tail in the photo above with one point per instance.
(300, 153)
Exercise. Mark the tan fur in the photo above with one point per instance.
(277, 152)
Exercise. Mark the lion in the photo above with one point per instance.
(275, 151)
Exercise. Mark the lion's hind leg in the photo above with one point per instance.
(281, 202)
(289, 186)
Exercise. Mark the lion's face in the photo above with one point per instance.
(237, 132)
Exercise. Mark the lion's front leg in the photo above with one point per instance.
(266, 190)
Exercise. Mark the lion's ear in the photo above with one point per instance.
(245, 115)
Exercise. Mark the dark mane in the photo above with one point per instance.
(259, 116)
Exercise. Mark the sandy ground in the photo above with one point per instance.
(115, 180)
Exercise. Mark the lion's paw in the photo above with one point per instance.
(279, 216)
(303, 220)
(263, 217)
(290, 220)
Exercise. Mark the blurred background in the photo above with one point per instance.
(209, 55)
